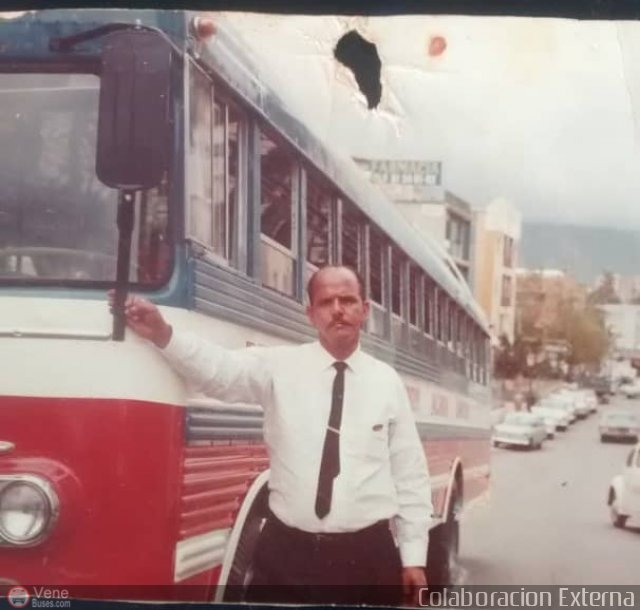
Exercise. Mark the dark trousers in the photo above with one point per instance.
(291, 566)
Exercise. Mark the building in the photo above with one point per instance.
(416, 188)
(626, 287)
(623, 322)
(496, 237)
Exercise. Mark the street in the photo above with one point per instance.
(546, 521)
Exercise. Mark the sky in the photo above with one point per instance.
(542, 112)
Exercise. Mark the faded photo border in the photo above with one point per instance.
(469, 596)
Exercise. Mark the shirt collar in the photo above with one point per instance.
(325, 360)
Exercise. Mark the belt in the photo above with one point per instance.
(327, 539)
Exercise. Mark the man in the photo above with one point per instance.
(344, 451)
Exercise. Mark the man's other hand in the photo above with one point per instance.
(145, 319)
(413, 579)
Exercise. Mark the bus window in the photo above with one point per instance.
(276, 179)
(471, 347)
(415, 317)
(442, 305)
(398, 282)
(464, 344)
(351, 232)
(319, 223)
(452, 319)
(429, 307)
(485, 359)
(461, 346)
(377, 263)
(476, 346)
(214, 168)
(200, 154)
(414, 296)
(456, 320)
(458, 317)
(234, 186)
(218, 163)
(376, 269)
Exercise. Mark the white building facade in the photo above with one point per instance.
(496, 240)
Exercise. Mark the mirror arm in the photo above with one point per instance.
(126, 201)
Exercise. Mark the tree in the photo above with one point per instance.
(582, 328)
(588, 336)
(605, 292)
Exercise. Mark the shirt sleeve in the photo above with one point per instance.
(411, 479)
(240, 375)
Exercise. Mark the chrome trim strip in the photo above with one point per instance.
(44, 334)
(443, 431)
(199, 553)
(222, 407)
(6, 446)
(54, 505)
(212, 420)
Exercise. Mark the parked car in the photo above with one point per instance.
(602, 386)
(590, 398)
(620, 425)
(624, 491)
(560, 417)
(582, 408)
(520, 429)
(631, 389)
(562, 404)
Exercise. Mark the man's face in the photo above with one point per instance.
(337, 310)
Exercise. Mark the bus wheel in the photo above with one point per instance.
(444, 545)
(241, 571)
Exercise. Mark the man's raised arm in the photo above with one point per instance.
(230, 375)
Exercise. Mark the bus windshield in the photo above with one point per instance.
(57, 220)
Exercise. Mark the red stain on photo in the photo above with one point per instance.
(437, 45)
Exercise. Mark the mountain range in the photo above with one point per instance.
(580, 251)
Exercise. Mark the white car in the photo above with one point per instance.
(577, 399)
(624, 491)
(563, 405)
(631, 389)
(559, 417)
(520, 429)
(590, 398)
(619, 425)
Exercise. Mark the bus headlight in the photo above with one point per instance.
(28, 508)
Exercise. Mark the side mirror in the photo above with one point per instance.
(134, 124)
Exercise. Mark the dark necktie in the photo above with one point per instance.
(330, 465)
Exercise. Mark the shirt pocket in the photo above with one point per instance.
(369, 443)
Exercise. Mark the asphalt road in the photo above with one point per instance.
(545, 521)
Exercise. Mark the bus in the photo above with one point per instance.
(149, 150)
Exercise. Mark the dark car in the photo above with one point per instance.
(601, 386)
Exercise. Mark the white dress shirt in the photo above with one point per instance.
(383, 470)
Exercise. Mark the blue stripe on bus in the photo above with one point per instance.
(226, 294)
(224, 423)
